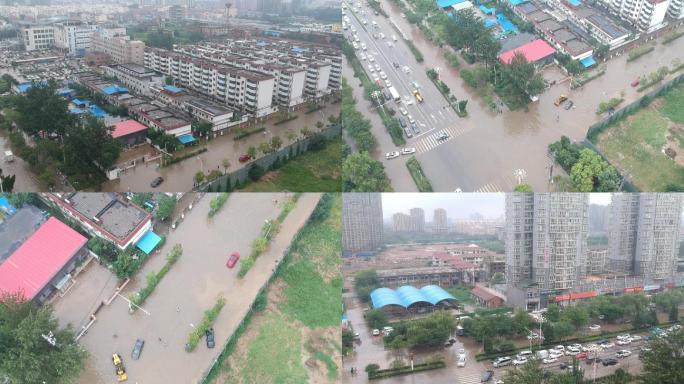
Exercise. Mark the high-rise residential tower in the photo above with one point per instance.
(362, 225)
(624, 215)
(401, 222)
(417, 220)
(439, 221)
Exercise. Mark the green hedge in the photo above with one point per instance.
(241, 133)
(638, 52)
(285, 120)
(416, 53)
(154, 278)
(672, 36)
(422, 182)
(208, 321)
(177, 159)
(216, 203)
(384, 373)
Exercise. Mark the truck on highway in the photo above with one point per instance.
(394, 93)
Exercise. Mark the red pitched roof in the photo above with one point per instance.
(39, 258)
(484, 293)
(127, 127)
(533, 51)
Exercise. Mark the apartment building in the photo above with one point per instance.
(74, 37)
(676, 9)
(647, 15)
(596, 260)
(38, 37)
(622, 232)
(440, 223)
(644, 232)
(119, 46)
(417, 220)
(401, 222)
(242, 90)
(362, 227)
(134, 76)
(546, 245)
(441, 276)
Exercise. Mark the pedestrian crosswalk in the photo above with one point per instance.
(505, 183)
(430, 141)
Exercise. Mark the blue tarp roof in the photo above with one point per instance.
(448, 3)
(489, 23)
(173, 89)
(408, 295)
(148, 242)
(575, 3)
(298, 50)
(487, 11)
(64, 91)
(187, 138)
(23, 87)
(6, 206)
(97, 111)
(588, 61)
(506, 24)
(80, 102)
(113, 89)
(516, 2)
(76, 111)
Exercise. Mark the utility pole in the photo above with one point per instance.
(132, 304)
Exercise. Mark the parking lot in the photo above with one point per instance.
(192, 285)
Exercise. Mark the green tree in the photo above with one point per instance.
(168, 80)
(364, 283)
(89, 148)
(226, 164)
(523, 188)
(529, 373)
(565, 152)
(362, 173)
(265, 148)
(25, 356)
(553, 312)
(165, 206)
(431, 331)
(498, 278)
(592, 173)
(576, 315)
(664, 363)
(199, 178)
(376, 319)
(7, 182)
(42, 109)
(521, 80)
(202, 127)
(276, 143)
(252, 152)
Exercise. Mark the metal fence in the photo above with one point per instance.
(266, 162)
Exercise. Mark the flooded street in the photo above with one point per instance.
(192, 285)
(179, 176)
(25, 179)
(487, 150)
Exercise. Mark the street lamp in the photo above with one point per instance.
(520, 174)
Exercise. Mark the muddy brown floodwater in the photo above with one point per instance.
(494, 146)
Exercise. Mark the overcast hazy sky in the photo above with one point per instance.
(458, 205)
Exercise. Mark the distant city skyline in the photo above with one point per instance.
(458, 205)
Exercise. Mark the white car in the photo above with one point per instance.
(377, 67)
(461, 361)
(624, 342)
(356, 46)
(363, 46)
(375, 78)
(558, 348)
(389, 44)
(555, 354)
(406, 69)
(607, 344)
(371, 58)
(388, 83)
(532, 336)
(576, 346)
(382, 35)
(391, 155)
(519, 361)
(408, 151)
(383, 75)
(408, 100)
(635, 338)
(376, 332)
(403, 111)
(623, 353)
(594, 327)
(572, 351)
(549, 360)
(624, 336)
(370, 68)
(362, 56)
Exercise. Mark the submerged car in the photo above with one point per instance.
(209, 333)
(137, 349)
(233, 259)
(156, 182)
(245, 158)
(391, 155)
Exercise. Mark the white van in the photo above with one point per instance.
(524, 354)
(502, 362)
(461, 361)
(542, 354)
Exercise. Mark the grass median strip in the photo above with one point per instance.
(217, 202)
(207, 322)
(153, 279)
(422, 182)
(268, 232)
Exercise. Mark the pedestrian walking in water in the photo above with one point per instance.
(178, 309)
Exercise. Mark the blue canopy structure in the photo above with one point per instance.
(448, 3)
(516, 2)
(486, 10)
(575, 3)
(148, 242)
(80, 103)
(114, 89)
(23, 87)
(76, 111)
(6, 206)
(186, 139)
(408, 295)
(489, 23)
(172, 89)
(506, 24)
(588, 61)
(97, 111)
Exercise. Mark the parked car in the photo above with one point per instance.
(635, 338)
(635, 82)
(391, 155)
(623, 353)
(560, 100)
(244, 158)
(609, 361)
(157, 181)
(502, 361)
(376, 332)
(582, 355)
(233, 259)
(408, 151)
(486, 376)
(402, 122)
(555, 354)
(549, 360)
(624, 341)
(209, 334)
(594, 327)
(137, 349)
(519, 361)
(568, 105)
(461, 361)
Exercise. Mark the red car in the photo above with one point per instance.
(635, 83)
(245, 158)
(233, 259)
(582, 355)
